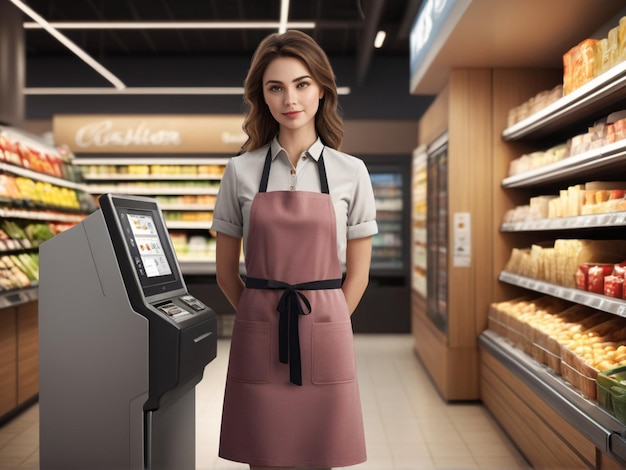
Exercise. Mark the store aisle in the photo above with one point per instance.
(407, 424)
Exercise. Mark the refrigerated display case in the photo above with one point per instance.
(387, 244)
(385, 307)
(419, 205)
(437, 233)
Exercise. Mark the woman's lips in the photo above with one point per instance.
(293, 114)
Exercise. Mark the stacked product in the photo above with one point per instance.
(194, 247)
(111, 171)
(576, 342)
(606, 131)
(592, 57)
(558, 264)
(21, 269)
(582, 63)
(18, 150)
(602, 278)
(597, 197)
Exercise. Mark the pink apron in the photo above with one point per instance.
(292, 396)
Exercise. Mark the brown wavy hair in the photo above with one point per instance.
(259, 124)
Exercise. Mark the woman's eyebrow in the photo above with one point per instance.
(303, 77)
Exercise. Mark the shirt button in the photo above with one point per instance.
(303, 157)
(291, 188)
(293, 172)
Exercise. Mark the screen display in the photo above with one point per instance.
(142, 243)
(152, 260)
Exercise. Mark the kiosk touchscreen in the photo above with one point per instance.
(122, 344)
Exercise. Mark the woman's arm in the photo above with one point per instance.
(358, 258)
(227, 250)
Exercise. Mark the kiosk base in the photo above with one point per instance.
(170, 434)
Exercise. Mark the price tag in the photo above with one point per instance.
(462, 238)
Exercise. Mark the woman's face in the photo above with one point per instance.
(291, 93)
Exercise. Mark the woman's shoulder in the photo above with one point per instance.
(345, 160)
(250, 155)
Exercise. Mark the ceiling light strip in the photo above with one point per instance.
(70, 45)
(284, 15)
(145, 91)
(85, 25)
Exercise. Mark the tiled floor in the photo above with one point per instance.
(408, 426)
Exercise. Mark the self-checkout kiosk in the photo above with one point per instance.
(122, 344)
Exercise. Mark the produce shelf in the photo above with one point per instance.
(13, 298)
(19, 171)
(151, 191)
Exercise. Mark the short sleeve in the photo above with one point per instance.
(227, 215)
(362, 211)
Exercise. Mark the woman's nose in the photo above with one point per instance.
(290, 97)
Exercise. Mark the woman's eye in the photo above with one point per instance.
(303, 85)
(275, 88)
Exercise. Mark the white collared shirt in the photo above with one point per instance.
(348, 181)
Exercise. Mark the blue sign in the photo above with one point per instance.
(432, 16)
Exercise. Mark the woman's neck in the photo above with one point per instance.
(296, 142)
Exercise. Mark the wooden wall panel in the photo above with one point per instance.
(545, 438)
(8, 361)
(469, 180)
(27, 352)
(435, 119)
(453, 370)
(511, 87)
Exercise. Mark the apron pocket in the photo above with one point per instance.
(250, 352)
(333, 353)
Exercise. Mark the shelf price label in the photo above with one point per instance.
(462, 238)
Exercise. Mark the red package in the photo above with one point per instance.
(596, 275)
(614, 286)
(619, 270)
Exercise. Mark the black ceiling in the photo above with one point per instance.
(343, 27)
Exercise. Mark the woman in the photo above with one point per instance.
(303, 210)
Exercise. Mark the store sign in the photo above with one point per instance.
(149, 134)
(428, 28)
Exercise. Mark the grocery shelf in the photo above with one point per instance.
(40, 215)
(13, 298)
(152, 191)
(600, 427)
(186, 207)
(593, 97)
(188, 224)
(20, 171)
(589, 299)
(608, 157)
(151, 177)
(198, 266)
(608, 220)
(151, 160)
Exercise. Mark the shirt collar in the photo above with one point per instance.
(314, 151)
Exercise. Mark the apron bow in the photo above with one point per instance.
(289, 307)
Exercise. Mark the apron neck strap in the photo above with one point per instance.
(268, 163)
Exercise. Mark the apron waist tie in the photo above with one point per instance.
(289, 307)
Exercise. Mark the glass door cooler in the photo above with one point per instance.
(385, 307)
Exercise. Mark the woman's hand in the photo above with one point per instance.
(227, 251)
(358, 259)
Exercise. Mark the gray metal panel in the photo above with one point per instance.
(171, 436)
(93, 355)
